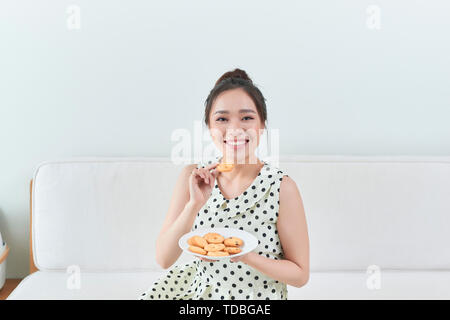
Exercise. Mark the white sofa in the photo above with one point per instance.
(101, 216)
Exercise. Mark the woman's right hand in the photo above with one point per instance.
(201, 183)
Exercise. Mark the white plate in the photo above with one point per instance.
(250, 241)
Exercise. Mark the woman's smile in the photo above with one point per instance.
(236, 144)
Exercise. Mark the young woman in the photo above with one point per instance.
(254, 196)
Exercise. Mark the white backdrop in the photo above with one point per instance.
(136, 71)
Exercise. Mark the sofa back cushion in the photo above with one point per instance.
(104, 214)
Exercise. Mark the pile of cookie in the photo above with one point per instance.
(214, 244)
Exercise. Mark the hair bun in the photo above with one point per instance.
(236, 73)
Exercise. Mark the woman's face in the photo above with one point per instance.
(235, 126)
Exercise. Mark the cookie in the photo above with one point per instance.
(218, 253)
(233, 242)
(214, 247)
(213, 237)
(232, 250)
(225, 167)
(197, 241)
(197, 250)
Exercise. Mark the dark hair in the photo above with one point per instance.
(236, 79)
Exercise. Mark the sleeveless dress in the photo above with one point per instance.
(254, 211)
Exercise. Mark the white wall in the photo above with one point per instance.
(138, 70)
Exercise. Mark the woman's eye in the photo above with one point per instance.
(248, 117)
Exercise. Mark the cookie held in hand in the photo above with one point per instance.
(225, 167)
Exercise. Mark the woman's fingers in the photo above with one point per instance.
(213, 177)
(196, 174)
(199, 173)
(215, 173)
(204, 259)
(202, 174)
(206, 175)
(212, 166)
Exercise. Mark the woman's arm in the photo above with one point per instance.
(179, 220)
(293, 234)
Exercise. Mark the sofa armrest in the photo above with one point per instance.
(4, 254)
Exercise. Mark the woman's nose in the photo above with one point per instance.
(234, 131)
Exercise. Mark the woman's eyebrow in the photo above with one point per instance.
(240, 111)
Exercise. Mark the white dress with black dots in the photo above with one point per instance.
(255, 211)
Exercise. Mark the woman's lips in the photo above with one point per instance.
(236, 144)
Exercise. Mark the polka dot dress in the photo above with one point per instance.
(255, 211)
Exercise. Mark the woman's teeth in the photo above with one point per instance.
(236, 143)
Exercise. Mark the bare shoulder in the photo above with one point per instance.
(288, 187)
(292, 226)
(290, 198)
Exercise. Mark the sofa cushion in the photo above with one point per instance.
(393, 285)
(392, 212)
(104, 214)
(100, 214)
(55, 285)
(321, 285)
